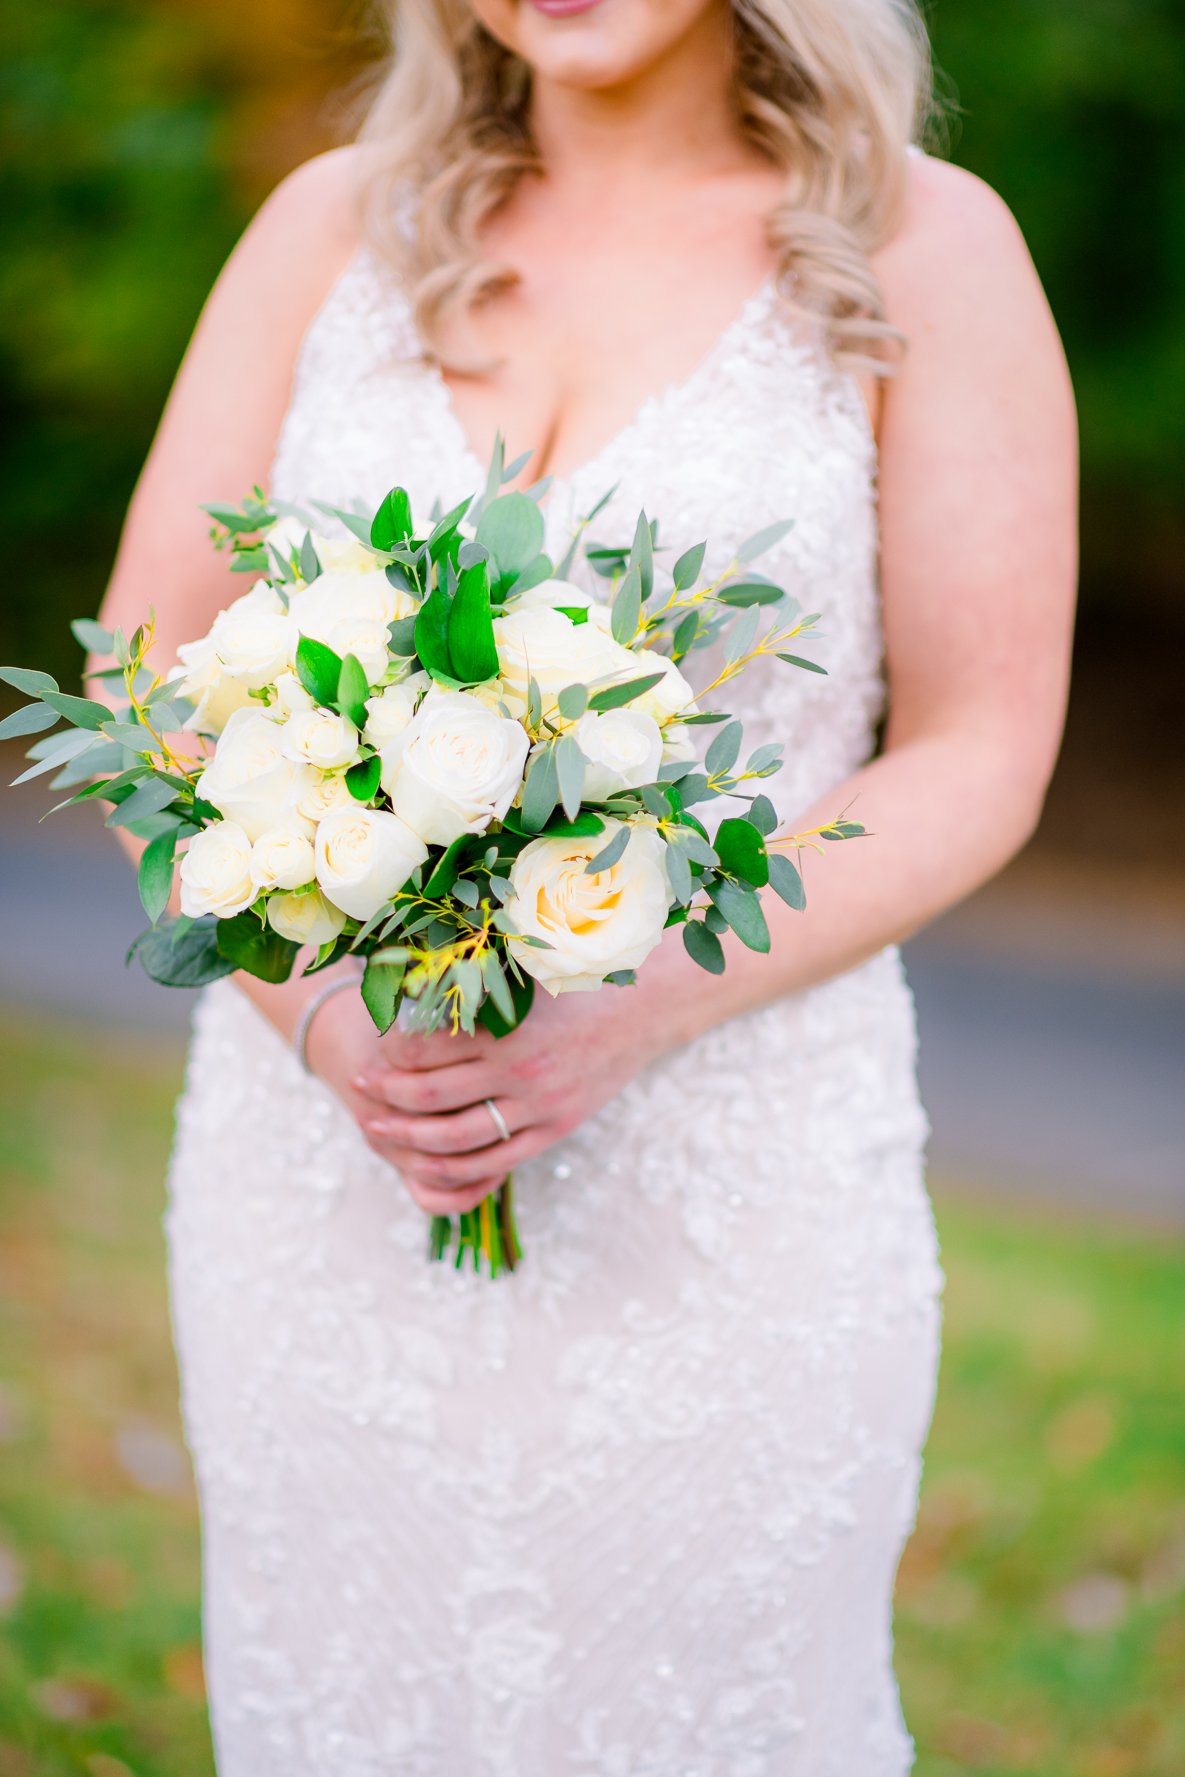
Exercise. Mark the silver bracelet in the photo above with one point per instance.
(300, 1035)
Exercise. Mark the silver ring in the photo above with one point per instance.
(500, 1123)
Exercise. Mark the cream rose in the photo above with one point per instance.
(550, 595)
(319, 737)
(319, 795)
(337, 594)
(623, 749)
(366, 639)
(595, 925)
(342, 554)
(250, 778)
(291, 697)
(215, 694)
(456, 767)
(254, 640)
(282, 858)
(363, 856)
(548, 647)
(672, 696)
(216, 872)
(305, 916)
(388, 714)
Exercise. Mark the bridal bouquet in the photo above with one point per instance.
(424, 746)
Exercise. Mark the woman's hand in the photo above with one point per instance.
(424, 1108)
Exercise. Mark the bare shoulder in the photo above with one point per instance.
(304, 232)
(958, 264)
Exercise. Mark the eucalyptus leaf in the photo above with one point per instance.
(572, 702)
(785, 881)
(150, 797)
(764, 539)
(679, 873)
(570, 766)
(541, 790)
(627, 608)
(742, 593)
(613, 697)
(84, 712)
(401, 636)
(742, 909)
(642, 555)
(763, 814)
(741, 850)
(92, 636)
(32, 718)
(511, 528)
(722, 753)
(810, 666)
(182, 953)
(703, 947)
(28, 680)
(688, 567)
(744, 634)
(608, 854)
(154, 876)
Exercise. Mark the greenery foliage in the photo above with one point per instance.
(137, 136)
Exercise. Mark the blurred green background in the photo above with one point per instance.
(1040, 1628)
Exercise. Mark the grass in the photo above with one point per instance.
(1040, 1628)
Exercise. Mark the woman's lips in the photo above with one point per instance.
(562, 9)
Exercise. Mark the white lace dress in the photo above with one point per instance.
(636, 1510)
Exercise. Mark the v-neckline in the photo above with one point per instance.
(653, 401)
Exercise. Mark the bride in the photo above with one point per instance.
(635, 1511)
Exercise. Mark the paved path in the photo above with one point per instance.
(1060, 1076)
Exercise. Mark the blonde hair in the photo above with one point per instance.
(832, 91)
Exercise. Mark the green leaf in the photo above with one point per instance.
(572, 702)
(687, 568)
(84, 712)
(432, 629)
(614, 696)
(742, 909)
(353, 689)
(155, 873)
(609, 854)
(471, 627)
(765, 760)
(679, 873)
(32, 718)
(765, 539)
(690, 840)
(541, 790)
(381, 984)
(810, 666)
(392, 523)
(642, 555)
(446, 869)
(742, 593)
(319, 669)
(741, 851)
(92, 636)
(70, 743)
(722, 754)
(703, 947)
(401, 636)
(686, 631)
(182, 953)
(763, 814)
(522, 993)
(627, 608)
(308, 560)
(843, 830)
(786, 882)
(569, 765)
(744, 634)
(255, 948)
(586, 825)
(511, 528)
(149, 798)
(28, 680)
(498, 987)
(362, 778)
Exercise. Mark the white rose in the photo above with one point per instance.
(672, 696)
(282, 858)
(216, 872)
(254, 639)
(456, 767)
(250, 779)
(548, 647)
(623, 749)
(550, 595)
(595, 925)
(291, 696)
(347, 553)
(388, 714)
(319, 737)
(337, 594)
(366, 639)
(305, 916)
(363, 857)
(319, 794)
(215, 694)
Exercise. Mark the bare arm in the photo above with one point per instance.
(978, 561)
(216, 440)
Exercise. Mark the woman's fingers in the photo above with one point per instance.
(423, 1092)
(450, 1174)
(451, 1203)
(437, 1048)
(451, 1132)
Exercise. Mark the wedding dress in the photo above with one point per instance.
(636, 1510)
